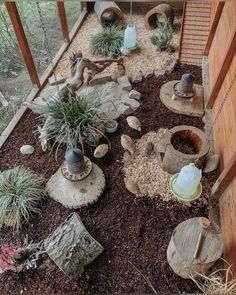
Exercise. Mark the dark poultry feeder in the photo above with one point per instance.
(76, 166)
(184, 88)
(75, 161)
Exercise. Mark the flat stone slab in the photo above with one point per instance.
(183, 106)
(76, 194)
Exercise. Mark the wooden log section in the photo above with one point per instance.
(22, 41)
(194, 247)
(109, 14)
(160, 14)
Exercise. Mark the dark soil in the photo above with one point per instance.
(133, 231)
(184, 145)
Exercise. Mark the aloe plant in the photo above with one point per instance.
(163, 37)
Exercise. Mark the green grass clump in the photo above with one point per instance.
(163, 37)
(72, 121)
(107, 42)
(20, 192)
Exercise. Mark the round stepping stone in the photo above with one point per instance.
(193, 108)
(76, 194)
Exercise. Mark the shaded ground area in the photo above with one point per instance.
(132, 230)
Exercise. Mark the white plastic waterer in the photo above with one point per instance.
(187, 181)
(130, 37)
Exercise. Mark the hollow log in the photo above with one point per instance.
(159, 15)
(194, 247)
(109, 14)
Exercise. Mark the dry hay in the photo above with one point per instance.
(149, 58)
(148, 174)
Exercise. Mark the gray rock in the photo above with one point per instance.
(137, 78)
(135, 94)
(159, 73)
(147, 73)
(124, 83)
(212, 163)
(27, 149)
(170, 65)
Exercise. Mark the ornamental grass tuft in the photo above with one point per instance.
(20, 192)
(72, 121)
(107, 42)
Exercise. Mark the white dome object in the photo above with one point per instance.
(27, 149)
(130, 37)
(188, 180)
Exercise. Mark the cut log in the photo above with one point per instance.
(159, 15)
(109, 14)
(194, 247)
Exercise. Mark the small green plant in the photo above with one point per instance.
(107, 42)
(163, 37)
(20, 192)
(73, 120)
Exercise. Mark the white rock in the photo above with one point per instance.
(134, 94)
(134, 123)
(101, 150)
(131, 186)
(27, 149)
(212, 163)
(127, 143)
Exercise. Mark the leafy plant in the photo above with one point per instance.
(20, 192)
(107, 42)
(8, 255)
(73, 120)
(163, 37)
(17, 258)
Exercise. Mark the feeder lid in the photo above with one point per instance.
(187, 77)
(74, 155)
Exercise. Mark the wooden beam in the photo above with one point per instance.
(223, 70)
(22, 41)
(226, 176)
(214, 25)
(181, 31)
(63, 20)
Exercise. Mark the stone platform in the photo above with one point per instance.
(76, 194)
(183, 106)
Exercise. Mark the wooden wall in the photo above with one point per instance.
(224, 131)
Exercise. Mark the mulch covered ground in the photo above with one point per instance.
(133, 231)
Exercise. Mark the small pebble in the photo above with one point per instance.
(27, 149)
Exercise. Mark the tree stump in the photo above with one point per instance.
(71, 246)
(109, 14)
(194, 247)
(159, 15)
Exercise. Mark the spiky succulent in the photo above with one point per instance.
(163, 37)
(20, 192)
(107, 42)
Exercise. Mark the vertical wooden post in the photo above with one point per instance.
(22, 41)
(214, 25)
(63, 20)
